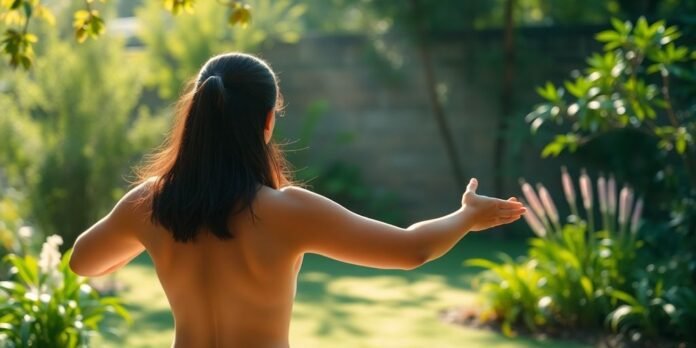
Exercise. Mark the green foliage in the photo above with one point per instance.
(10, 223)
(660, 303)
(575, 276)
(571, 270)
(565, 280)
(640, 89)
(177, 47)
(87, 23)
(511, 293)
(71, 130)
(629, 85)
(18, 46)
(46, 305)
(17, 42)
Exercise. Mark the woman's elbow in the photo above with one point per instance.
(77, 266)
(415, 260)
(417, 253)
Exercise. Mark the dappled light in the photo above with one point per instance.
(348, 173)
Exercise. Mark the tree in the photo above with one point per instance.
(78, 130)
(176, 47)
(18, 41)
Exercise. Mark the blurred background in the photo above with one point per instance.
(391, 106)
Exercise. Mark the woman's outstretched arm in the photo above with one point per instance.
(113, 241)
(312, 223)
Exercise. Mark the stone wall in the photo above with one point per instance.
(395, 139)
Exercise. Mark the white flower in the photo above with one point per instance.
(25, 232)
(49, 259)
(55, 240)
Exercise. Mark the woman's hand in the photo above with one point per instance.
(486, 212)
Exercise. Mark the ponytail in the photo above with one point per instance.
(216, 158)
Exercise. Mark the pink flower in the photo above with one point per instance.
(635, 219)
(625, 202)
(602, 192)
(548, 203)
(568, 186)
(586, 190)
(535, 224)
(533, 199)
(611, 195)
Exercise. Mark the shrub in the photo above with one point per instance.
(572, 271)
(46, 305)
(641, 86)
(590, 273)
(631, 85)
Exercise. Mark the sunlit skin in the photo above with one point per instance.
(240, 292)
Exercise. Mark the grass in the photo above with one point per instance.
(340, 305)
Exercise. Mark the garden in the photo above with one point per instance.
(584, 110)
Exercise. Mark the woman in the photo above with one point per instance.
(225, 228)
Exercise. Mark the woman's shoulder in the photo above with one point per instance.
(293, 207)
(289, 198)
(141, 191)
(136, 200)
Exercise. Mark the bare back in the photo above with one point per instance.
(227, 293)
(239, 292)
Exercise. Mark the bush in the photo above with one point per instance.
(46, 305)
(579, 275)
(631, 85)
(571, 271)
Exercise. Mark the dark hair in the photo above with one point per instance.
(215, 159)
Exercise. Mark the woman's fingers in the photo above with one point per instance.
(508, 213)
(509, 204)
(507, 220)
(472, 186)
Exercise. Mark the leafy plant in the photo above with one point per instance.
(643, 81)
(46, 305)
(88, 22)
(662, 302)
(572, 268)
(631, 85)
(71, 128)
(176, 47)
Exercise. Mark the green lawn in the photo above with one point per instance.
(340, 305)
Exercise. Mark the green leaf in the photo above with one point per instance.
(625, 297)
(28, 8)
(680, 143)
(80, 35)
(81, 15)
(12, 287)
(608, 36)
(241, 15)
(31, 38)
(548, 92)
(16, 4)
(621, 26)
(552, 149)
(482, 263)
(587, 286)
(653, 68)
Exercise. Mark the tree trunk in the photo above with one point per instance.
(435, 102)
(506, 97)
